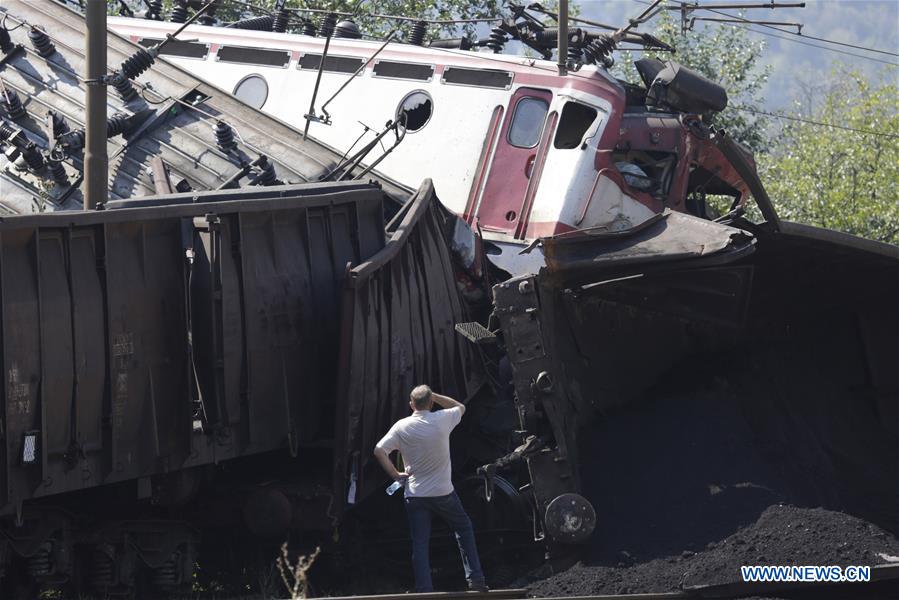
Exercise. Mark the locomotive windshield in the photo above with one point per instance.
(527, 124)
(575, 121)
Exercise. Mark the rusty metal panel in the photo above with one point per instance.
(264, 296)
(73, 359)
(147, 343)
(276, 294)
(51, 360)
(90, 404)
(116, 323)
(19, 283)
(217, 319)
(88, 303)
(399, 312)
(292, 322)
(57, 373)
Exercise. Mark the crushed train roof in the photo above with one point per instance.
(172, 117)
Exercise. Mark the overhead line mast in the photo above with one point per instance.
(96, 161)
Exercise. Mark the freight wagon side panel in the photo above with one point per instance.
(400, 308)
(177, 333)
(150, 402)
(20, 281)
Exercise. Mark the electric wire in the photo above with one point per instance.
(793, 39)
(801, 35)
(3, 23)
(844, 52)
(436, 21)
(818, 123)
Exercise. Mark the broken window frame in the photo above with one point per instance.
(560, 128)
(399, 109)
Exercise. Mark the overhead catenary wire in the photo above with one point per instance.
(844, 52)
(797, 41)
(817, 123)
(255, 7)
(436, 21)
(801, 35)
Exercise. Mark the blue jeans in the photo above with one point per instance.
(449, 508)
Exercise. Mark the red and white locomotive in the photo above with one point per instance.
(511, 144)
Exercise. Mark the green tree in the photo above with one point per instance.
(841, 179)
(727, 56)
(233, 10)
(363, 11)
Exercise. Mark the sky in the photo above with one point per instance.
(798, 67)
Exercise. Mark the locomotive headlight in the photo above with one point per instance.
(29, 448)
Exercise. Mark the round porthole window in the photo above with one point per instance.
(252, 89)
(416, 108)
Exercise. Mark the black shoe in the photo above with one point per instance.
(477, 586)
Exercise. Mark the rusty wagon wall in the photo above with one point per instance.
(399, 312)
(111, 336)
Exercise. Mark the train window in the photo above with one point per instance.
(400, 70)
(527, 122)
(253, 56)
(253, 90)
(573, 124)
(416, 108)
(477, 77)
(178, 48)
(333, 64)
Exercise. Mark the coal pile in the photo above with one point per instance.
(743, 469)
(783, 535)
(786, 535)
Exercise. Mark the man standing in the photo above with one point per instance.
(423, 441)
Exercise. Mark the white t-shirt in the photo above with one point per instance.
(423, 440)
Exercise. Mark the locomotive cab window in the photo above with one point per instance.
(576, 119)
(527, 122)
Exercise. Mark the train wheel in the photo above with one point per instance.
(503, 528)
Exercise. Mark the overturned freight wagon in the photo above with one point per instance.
(796, 327)
(170, 362)
(173, 366)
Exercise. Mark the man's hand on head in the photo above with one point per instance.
(447, 402)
